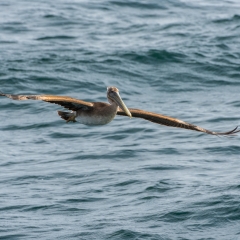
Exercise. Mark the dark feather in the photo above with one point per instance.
(67, 102)
(171, 122)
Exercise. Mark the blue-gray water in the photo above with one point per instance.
(130, 179)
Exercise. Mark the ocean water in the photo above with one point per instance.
(130, 179)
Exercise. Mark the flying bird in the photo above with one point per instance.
(100, 113)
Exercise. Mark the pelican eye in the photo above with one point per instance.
(111, 92)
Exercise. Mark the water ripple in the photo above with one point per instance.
(130, 179)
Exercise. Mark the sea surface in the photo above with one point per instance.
(130, 179)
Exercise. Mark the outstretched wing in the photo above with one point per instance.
(171, 122)
(67, 102)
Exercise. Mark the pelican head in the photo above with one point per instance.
(114, 97)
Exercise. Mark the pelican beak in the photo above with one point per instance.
(120, 103)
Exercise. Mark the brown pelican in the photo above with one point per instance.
(99, 113)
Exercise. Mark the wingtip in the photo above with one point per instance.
(236, 130)
(232, 132)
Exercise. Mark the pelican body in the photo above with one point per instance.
(100, 113)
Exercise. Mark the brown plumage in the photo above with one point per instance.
(171, 122)
(98, 113)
